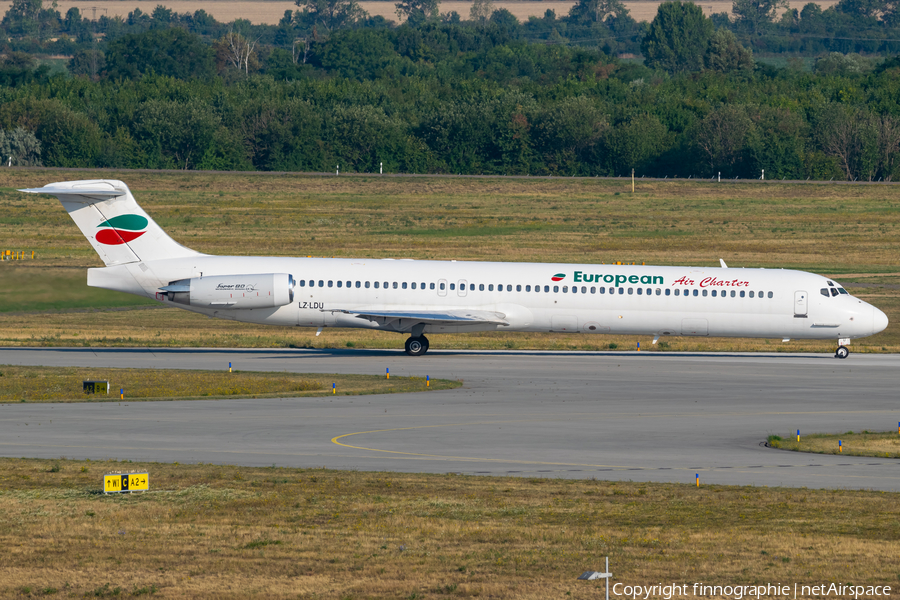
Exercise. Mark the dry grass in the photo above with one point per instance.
(829, 229)
(267, 12)
(866, 443)
(64, 384)
(230, 532)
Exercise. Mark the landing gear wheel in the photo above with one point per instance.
(417, 346)
(842, 352)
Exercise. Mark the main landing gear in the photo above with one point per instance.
(842, 352)
(417, 345)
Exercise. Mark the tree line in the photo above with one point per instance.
(442, 95)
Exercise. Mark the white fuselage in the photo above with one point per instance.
(588, 298)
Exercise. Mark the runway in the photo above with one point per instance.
(612, 416)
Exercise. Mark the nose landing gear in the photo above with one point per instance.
(417, 345)
(842, 352)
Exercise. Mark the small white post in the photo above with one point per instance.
(606, 571)
(720, 176)
(337, 170)
(763, 177)
(381, 168)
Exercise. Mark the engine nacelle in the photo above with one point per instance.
(259, 290)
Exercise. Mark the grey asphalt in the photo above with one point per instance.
(613, 416)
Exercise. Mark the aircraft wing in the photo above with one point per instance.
(451, 317)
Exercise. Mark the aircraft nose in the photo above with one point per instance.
(879, 320)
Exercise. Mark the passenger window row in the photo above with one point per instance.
(500, 287)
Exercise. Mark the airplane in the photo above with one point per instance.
(416, 297)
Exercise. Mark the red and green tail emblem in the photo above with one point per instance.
(122, 229)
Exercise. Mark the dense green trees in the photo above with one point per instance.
(678, 37)
(174, 52)
(169, 90)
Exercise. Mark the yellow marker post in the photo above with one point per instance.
(840, 447)
(334, 388)
(387, 373)
(32, 255)
(798, 436)
(698, 479)
(428, 384)
(229, 367)
(121, 393)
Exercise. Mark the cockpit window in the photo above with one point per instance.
(843, 291)
(834, 292)
(824, 292)
(830, 284)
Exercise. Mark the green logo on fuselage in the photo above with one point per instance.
(617, 280)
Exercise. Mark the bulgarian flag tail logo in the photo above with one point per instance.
(122, 229)
(558, 277)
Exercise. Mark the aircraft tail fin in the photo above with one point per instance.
(110, 218)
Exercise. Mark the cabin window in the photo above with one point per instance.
(733, 293)
(452, 286)
(367, 285)
(743, 293)
(395, 285)
(621, 291)
(583, 289)
(376, 285)
(658, 292)
(330, 283)
(302, 283)
(630, 291)
(602, 290)
(555, 288)
(321, 283)
(668, 291)
(751, 294)
(714, 292)
(480, 287)
(696, 292)
(640, 291)
(442, 285)
(340, 283)
(413, 285)
(704, 293)
(358, 284)
(527, 288)
(471, 287)
(771, 294)
(402, 286)
(490, 287)
(593, 290)
(546, 289)
(677, 292)
(565, 289)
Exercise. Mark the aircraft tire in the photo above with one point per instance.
(842, 352)
(416, 346)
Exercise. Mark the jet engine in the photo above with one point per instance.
(259, 290)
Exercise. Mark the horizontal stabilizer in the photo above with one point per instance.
(59, 191)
